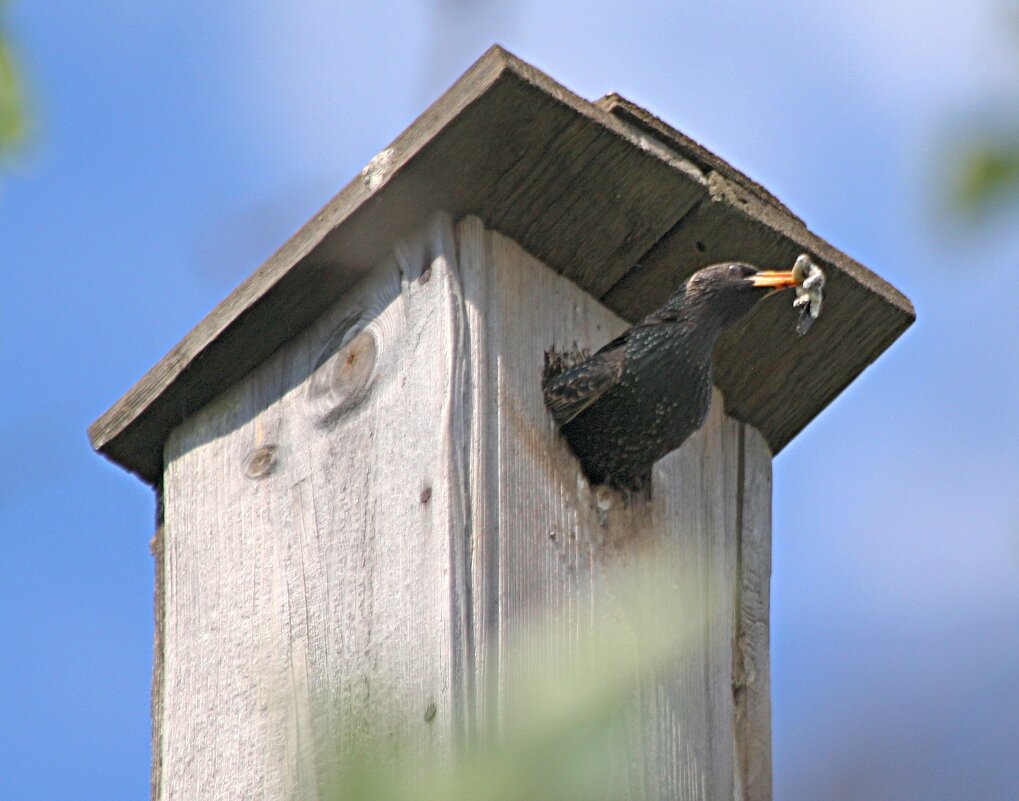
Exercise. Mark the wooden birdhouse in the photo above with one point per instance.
(359, 486)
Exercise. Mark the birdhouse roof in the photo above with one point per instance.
(603, 192)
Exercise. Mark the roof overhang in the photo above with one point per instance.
(604, 192)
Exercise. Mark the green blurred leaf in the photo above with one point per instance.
(988, 175)
(12, 100)
(569, 709)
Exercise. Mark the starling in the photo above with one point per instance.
(646, 391)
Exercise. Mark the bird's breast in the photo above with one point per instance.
(663, 393)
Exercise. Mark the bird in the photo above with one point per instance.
(644, 393)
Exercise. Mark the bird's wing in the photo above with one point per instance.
(572, 391)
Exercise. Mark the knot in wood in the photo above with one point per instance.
(259, 463)
(342, 380)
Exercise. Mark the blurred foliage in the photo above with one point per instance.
(569, 708)
(12, 100)
(986, 158)
(987, 176)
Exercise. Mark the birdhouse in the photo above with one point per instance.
(361, 491)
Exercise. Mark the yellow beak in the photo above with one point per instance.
(776, 279)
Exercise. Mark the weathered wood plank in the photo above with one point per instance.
(643, 121)
(308, 544)
(506, 142)
(752, 649)
(156, 546)
(479, 596)
(586, 189)
(760, 382)
(363, 528)
(740, 220)
(549, 543)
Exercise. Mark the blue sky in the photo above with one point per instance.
(177, 144)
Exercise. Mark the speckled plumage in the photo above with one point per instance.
(643, 394)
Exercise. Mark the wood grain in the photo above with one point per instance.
(505, 141)
(337, 572)
(752, 649)
(307, 606)
(156, 546)
(549, 542)
(642, 120)
(766, 381)
(599, 193)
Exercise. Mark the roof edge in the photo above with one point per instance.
(645, 179)
(487, 70)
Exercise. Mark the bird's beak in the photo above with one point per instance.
(773, 279)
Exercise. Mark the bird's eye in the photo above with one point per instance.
(735, 271)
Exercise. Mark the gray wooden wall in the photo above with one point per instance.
(354, 532)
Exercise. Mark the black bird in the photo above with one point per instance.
(646, 391)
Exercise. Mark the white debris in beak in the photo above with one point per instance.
(809, 292)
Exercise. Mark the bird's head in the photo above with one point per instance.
(725, 293)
